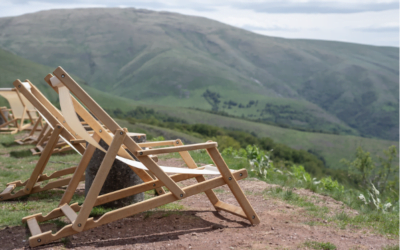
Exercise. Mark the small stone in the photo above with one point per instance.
(325, 221)
(194, 234)
(216, 226)
(272, 228)
(286, 222)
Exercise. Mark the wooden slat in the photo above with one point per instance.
(34, 226)
(76, 141)
(69, 213)
(9, 189)
(176, 149)
(156, 143)
(38, 188)
(56, 174)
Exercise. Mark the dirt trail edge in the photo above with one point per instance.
(196, 225)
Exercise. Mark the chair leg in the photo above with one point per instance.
(79, 172)
(98, 182)
(234, 186)
(187, 158)
(44, 158)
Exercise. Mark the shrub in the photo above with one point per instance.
(331, 185)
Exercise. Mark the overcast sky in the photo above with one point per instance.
(374, 22)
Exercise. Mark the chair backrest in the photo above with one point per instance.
(50, 114)
(17, 103)
(63, 79)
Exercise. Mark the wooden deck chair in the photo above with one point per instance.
(55, 120)
(31, 138)
(42, 140)
(119, 145)
(21, 110)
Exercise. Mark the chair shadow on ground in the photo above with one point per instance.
(9, 144)
(141, 228)
(21, 153)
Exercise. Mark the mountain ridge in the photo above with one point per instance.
(173, 59)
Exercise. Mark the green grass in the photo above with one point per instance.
(391, 247)
(320, 245)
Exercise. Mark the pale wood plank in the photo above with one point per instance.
(69, 213)
(34, 226)
(9, 189)
(157, 143)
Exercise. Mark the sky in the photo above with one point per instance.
(373, 22)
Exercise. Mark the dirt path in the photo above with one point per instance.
(198, 226)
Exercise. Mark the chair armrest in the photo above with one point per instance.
(176, 149)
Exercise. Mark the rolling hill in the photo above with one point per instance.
(184, 61)
(331, 147)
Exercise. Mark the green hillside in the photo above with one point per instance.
(331, 147)
(184, 61)
(13, 67)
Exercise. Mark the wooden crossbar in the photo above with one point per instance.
(176, 149)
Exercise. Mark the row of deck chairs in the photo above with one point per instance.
(23, 116)
(66, 125)
(20, 110)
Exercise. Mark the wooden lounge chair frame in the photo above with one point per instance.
(55, 119)
(118, 145)
(31, 138)
(6, 114)
(42, 140)
(21, 110)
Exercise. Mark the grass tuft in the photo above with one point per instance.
(320, 245)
